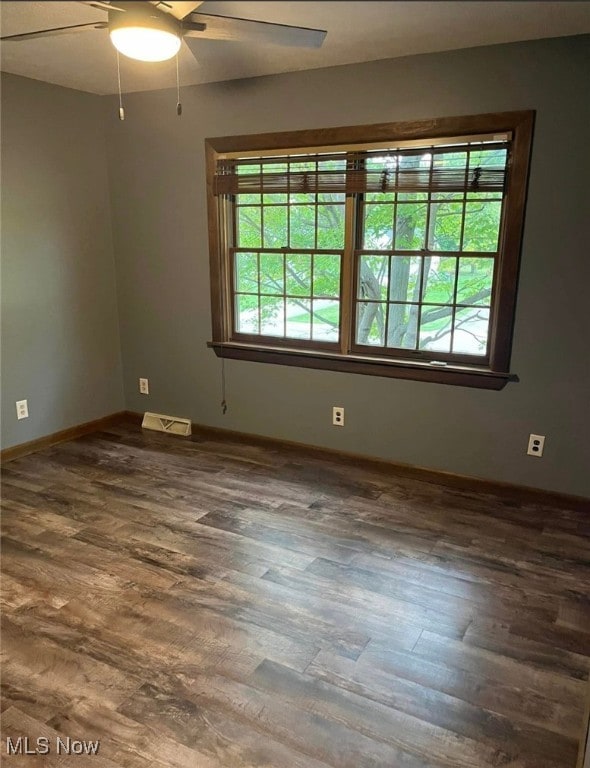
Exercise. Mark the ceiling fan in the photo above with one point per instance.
(153, 31)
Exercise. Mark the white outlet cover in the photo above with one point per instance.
(536, 445)
(338, 416)
(22, 409)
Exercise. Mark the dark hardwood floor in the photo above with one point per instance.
(203, 603)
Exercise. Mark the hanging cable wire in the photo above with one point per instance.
(223, 400)
(121, 109)
(178, 104)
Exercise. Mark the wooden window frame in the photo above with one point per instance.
(495, 373)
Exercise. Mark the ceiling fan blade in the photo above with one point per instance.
(178, 9)
(57, 31)
(244, 30)
(102, 6)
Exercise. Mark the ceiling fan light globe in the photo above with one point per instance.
(145, 43)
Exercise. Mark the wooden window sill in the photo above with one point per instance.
(456, 375)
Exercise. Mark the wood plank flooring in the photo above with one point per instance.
(203, 603)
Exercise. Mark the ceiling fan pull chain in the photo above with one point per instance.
(178, 104)
(121, 109)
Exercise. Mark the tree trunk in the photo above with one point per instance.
(370, 289)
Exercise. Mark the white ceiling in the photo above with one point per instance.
(358, 30)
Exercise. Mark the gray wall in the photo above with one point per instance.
(156, 164)
(60, 334)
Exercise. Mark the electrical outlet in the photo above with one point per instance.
(144, 386)
(338, 416)
(22, 409)
(536, 445)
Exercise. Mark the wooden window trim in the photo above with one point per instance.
(495, 374)
(462, 375)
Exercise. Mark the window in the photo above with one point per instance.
(390, 250)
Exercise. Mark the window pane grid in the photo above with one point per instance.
(456, 280)
(429, 246)
(258, 302)
(285, 288)
(301, 236)
(428, 286)
(437, 322)
(291, 295)
(315, 244)
(424, 302)
(308, 226)
(443, 222)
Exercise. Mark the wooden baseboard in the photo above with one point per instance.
(8, 454)
(516, 493)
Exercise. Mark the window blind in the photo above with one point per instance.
(474, 167)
